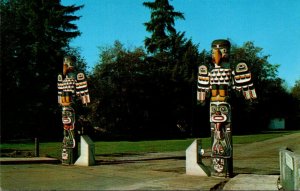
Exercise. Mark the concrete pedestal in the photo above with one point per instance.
(87, 152)
(289, 170)
(194, 165)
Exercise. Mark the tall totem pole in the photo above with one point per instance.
(215, 81)
(70, 85)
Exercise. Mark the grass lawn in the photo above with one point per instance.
(53, 149)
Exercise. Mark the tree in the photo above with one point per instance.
(176, 59)
(118, 85)
(296, 90)
(34, 35)
(161, 26)
(273, 99)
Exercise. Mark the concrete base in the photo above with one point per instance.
(194, 165)
(87, 152)
(289, 170)
(252, 182)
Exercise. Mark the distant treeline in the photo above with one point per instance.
(148, 92)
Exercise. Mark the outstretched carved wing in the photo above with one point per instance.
(59, 88)
(242, 81)
(82, 88)
(203, 85)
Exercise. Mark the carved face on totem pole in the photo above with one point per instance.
(220, 112)
(220, 118)
(68, 118)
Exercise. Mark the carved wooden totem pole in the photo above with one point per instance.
(215, 80)
(70, 85)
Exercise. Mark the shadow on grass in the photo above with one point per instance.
(124, 161)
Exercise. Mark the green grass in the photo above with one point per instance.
(142, 146)
(53, 149)
(244, 139)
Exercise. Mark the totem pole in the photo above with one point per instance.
(70, 85)
(216, 81)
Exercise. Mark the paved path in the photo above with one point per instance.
(125, 174)
(252, 182)
(263, 157)
(152, 171)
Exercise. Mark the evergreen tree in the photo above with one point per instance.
(161, 26)
(176, 59)
(34, 38)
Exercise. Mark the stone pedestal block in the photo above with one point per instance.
(289, 170)
(194, 165)
(87, 152)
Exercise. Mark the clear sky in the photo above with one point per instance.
(273, 25)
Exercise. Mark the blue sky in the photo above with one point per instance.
(273, 25)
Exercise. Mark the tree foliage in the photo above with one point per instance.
(296, 90)
(135, 93)
(138, 97)
(34, 37)
(154, 95)
(148, 95)
(273, 101)
(117, 86)
(161, 26)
